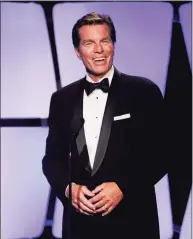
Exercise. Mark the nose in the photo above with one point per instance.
(98, 48)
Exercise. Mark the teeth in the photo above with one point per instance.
(99, 59)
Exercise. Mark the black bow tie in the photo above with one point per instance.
(103, 85)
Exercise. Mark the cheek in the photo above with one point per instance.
(87, 55)
(87, 60)
(110, 52)
(113, 51)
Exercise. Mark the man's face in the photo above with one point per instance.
(96, 50)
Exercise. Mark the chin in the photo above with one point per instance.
(101, 71)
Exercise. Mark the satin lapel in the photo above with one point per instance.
(81, 140)
(106, 124)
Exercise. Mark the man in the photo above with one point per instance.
(116, 158)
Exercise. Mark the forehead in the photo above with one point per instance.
(94, 31)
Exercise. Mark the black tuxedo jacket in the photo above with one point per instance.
(130, 153)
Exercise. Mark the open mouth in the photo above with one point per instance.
(99, 59)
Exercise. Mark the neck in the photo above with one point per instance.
(96, 78)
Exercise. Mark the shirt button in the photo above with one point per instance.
(97, 98)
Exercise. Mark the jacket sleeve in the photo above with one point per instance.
(55, 161)
(151, 146)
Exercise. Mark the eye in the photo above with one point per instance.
(88, 43)
(105, 41)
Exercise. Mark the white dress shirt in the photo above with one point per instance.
(93, 111)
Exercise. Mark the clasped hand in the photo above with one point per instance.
(103, 199)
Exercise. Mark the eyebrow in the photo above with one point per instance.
(87, 40)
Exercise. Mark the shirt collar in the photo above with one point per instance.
(108, 75)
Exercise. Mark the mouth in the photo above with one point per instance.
(99, 59)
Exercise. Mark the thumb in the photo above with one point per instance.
(98, 189)
(87, 192)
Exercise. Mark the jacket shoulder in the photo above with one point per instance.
(137, 80)
(139, 84)
(68, 90)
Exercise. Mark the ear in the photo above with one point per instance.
(113, 47)
(78, 53)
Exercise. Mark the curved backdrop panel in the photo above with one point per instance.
(24, 189)
(27, 72)
(186, 22)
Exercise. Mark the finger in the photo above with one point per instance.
(100, 204)
(96, 198)
(79, 209)
(110, 209)
(83, 212)
(87, 192)
(75, 205)
(86, 202)
(85, 209)
(104, 208)
(98, 189)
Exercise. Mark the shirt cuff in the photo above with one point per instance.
(67, 190)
